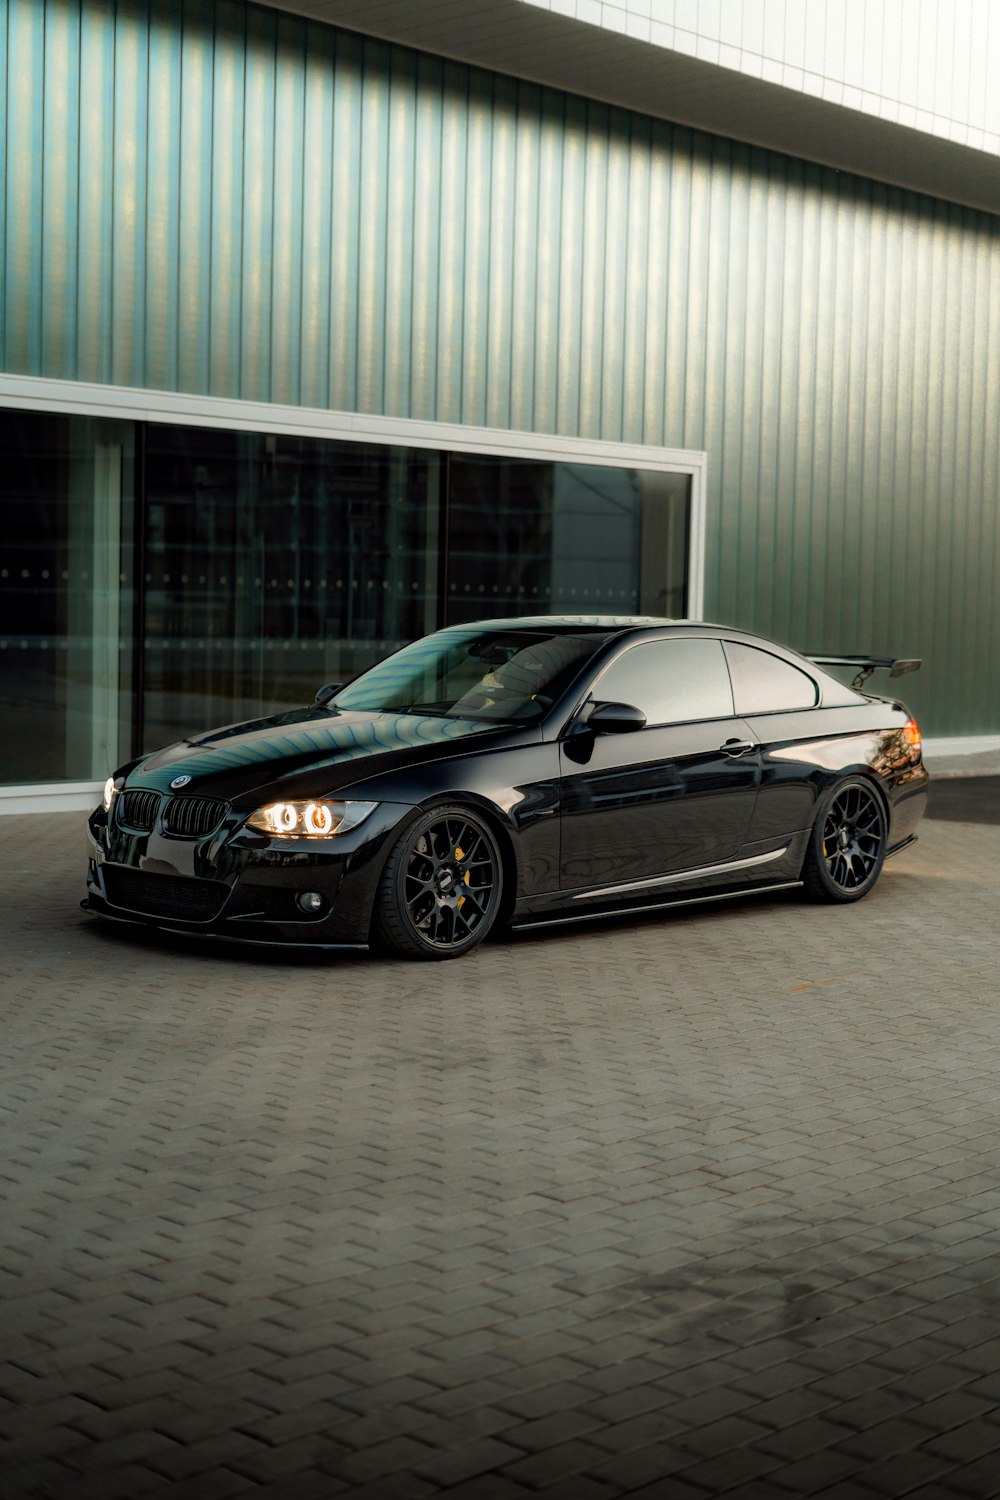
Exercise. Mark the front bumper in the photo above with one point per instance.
(242, 885)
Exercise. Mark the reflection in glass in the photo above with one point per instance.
(65, 604)
(274, 564)
(271, 564)
(528, 537)
(494, 675)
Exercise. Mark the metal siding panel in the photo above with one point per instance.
(899, 450)
(675, 154)
(618, 359)
(846, 603)
(60, 146)
(525, 256)
(548, 306)
(398, 250)
(714, 343)
(770, 540)
(981, 645)
(345, 216)
(797, 502)
(476, 266)
(227, 197)
(317, 178)
(92, 312)
(980, 570)
(288, 212)
(427, 160)
(256, 307)
(373, 228)
(500, 254)
(24, 288)
(593, 273)
(161, 291)
(451, 265)
(754, 546)
(128, 237)
(651, 299)
(789, 338)
(194, 211)
(953, 489)
(569, 332)
(5, 94)
(882, 380)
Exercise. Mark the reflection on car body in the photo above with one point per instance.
(517, 772)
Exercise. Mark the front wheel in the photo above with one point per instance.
(441, 887)
(847, 845)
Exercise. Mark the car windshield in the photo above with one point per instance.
(511, 676)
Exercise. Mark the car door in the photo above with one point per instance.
(778, 701)
(676, 795)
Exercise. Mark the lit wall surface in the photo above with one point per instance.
(930, 65)
(215, 198)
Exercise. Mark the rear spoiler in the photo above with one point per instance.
(896, 666)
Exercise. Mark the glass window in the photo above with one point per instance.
(65, 601)
(672, 681)
(159, 579)
(763, 683)
(530, 537)
(493, 675)
(276, 563)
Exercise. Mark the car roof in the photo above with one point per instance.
(612, 626)
(571, 622)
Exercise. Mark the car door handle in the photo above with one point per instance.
(737, 747)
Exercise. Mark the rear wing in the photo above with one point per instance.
(896, 666)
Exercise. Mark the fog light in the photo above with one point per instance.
(310, 901)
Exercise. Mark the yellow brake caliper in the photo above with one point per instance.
(460, 855)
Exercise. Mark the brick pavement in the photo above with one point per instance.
(677, 1207)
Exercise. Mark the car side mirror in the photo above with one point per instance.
(326, 692)
(615, 718)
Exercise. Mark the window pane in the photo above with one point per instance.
(671, 681)
(527, 537)
(64, 597)
(274, 564)
(763, 683)
(492, 674)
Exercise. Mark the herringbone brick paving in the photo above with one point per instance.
(694, 1205)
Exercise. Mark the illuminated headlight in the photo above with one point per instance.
(309, 820)
(110, 793)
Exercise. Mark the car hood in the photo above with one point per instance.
(310, 752)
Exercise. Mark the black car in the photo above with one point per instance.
(519, 772)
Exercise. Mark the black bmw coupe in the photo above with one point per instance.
(519, 772)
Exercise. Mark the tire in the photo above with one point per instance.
(847, 845)
(441, 888)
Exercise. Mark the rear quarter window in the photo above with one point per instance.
(764, 684)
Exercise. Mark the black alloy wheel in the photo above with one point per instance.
(847, 845)
(440, 890)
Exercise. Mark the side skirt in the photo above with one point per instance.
(557, 920)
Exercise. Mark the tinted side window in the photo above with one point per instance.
(671, 681)
(763, 683)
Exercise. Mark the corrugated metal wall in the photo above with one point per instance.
(205, 196)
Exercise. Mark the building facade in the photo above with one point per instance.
(322, 325)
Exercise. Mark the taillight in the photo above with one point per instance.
(912, 736)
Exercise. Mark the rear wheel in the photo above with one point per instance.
(847, 845)
(441, 887)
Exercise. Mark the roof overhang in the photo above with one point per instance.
(526, 41)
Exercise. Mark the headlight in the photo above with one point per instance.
(110, 792)
(309, 820)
